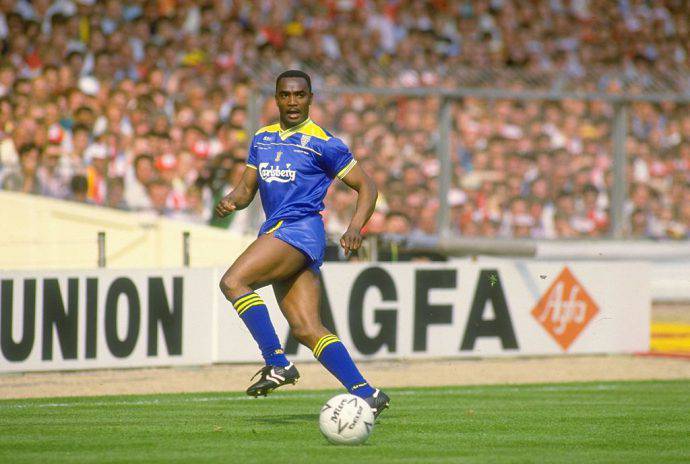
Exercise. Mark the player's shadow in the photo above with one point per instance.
(285, 418)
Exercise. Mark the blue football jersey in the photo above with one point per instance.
(295, 167)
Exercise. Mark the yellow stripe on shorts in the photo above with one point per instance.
(274, 228)
(323, 343)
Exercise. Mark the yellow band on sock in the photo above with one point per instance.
(323, 343)
(244, 298)
(250, 306)
(247, 302)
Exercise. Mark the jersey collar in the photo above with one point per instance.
(284, 134)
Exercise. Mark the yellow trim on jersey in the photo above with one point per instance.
(312, 129)
(251, 166)
(323, 343)
(306, 127)
(284, 134)
(270, 128)
(343, 172)
(274, 228)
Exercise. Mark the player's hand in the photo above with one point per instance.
(225, 206)
(351, 241)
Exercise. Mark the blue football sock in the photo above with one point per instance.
(330, 352)
(252, 310)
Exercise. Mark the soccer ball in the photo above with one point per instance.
(346, 420)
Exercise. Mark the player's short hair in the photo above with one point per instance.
(294, 73)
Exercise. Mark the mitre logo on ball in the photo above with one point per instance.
(346, 420)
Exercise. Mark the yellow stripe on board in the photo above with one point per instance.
(669, 328)
(670, 338)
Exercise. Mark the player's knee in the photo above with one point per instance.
(306, 334)
(301, 334)
(231, 285)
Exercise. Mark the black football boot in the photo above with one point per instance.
(271, 378)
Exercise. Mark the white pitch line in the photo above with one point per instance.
(284, 396)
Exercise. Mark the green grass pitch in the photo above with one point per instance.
(627, 422)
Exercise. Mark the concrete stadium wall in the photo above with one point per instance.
(42, 233)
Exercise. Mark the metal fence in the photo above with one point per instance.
(446, 141)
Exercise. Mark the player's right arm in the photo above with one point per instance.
(241, 196)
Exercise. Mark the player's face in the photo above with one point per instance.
(293, 99)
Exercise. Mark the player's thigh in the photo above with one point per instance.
(299, 298)
(267, 259)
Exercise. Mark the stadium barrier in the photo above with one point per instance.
(53, 234)
(62, 320)
(44, 233)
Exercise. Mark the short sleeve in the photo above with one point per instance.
(251, 158)
(336, 158)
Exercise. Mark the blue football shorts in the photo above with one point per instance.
(307, 234)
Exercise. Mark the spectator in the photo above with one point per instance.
(51, 175)
(339, 212)
(115, 197)
(397, 224)
(158, 192)
(25, 178)
(79, 185)
(136, 182)
(96, 172)
(157, 80)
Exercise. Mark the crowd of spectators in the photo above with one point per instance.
(144, 105)
(524, 169)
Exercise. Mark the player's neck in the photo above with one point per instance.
(285, 128)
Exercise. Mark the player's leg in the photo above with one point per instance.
(266, 260)
(299, 299)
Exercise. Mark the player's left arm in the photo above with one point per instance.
(367, 195)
